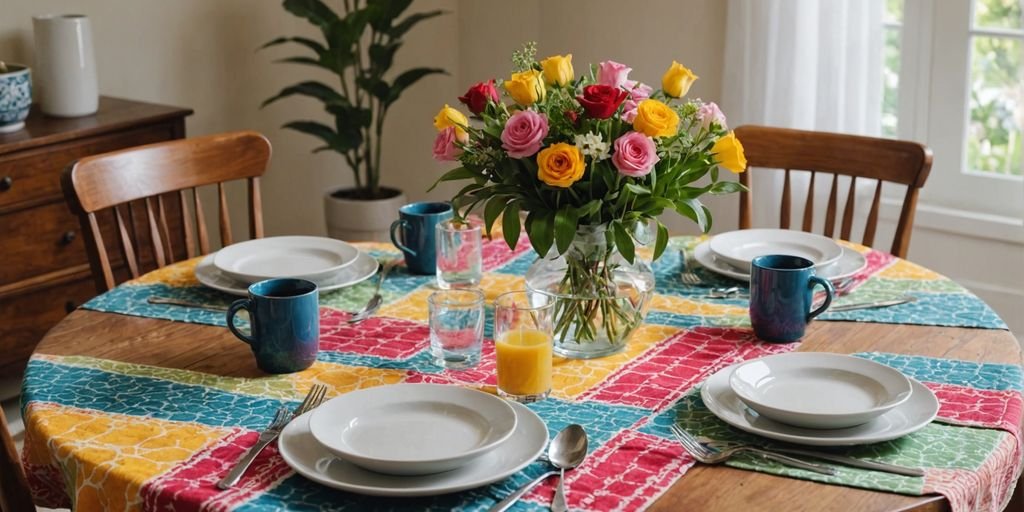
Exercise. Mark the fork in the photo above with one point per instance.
(375, 301)
(281, 418)
(687, 276)
(709, 455)
(831, 457)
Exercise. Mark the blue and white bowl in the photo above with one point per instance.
(15, 97)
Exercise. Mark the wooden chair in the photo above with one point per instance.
(148, 189)
(895, 161)
(14, 495)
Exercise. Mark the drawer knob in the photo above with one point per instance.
(68, 237)
(69, 306)
(5, 183)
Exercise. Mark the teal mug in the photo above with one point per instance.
(414, 234)
(284, 315)
(781, 296)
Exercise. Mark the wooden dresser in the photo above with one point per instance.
(44, 271)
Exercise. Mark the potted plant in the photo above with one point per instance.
(358, 48)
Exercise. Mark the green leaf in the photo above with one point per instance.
(495, 205)
(312, 89)
(458, 173)
(375, 86)
(638, 190)
(661, 241)
(313, 10)
(403, 26)
(320, 131)
(308, 43)
(540, 229)
(383, 12)
(695, 211)
(727, 187)
(408, 78)
(309, 61)
(623, 241)
(382, 56)
(565, 228)
(510, 224)
(590, 208)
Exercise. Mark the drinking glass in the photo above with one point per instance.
(459, 254)
(523, 343)
(456, 327)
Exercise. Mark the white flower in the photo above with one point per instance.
(592, 145)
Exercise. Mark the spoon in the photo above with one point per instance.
(725, 293)
(566, 451)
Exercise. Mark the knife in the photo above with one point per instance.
(832, 457)
(869, 305)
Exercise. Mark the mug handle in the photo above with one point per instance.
(232, 310)
(829, 292)
(404, 224)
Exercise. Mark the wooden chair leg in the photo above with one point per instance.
(14, 495)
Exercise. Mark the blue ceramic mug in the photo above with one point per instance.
(284, 315)
(417, 222)
(781, 296)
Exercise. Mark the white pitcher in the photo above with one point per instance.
(65, 69)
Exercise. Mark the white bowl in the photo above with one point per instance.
(302, 257)
(739, 248)
(412, 429)
(819, 390)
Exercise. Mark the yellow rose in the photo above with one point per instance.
(656, 119)
(560, 165)
(677, 80)
(557, 69)
(526, 88)
(449, 116)
(728, 153)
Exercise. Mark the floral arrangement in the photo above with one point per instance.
(577, 152)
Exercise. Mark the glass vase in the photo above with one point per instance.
(600, 298)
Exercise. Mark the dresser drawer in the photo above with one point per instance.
(26, 318)
(33, 176)
(38, 240)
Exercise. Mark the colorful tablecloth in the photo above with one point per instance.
(110, 435)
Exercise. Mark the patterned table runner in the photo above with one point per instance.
(110, 435)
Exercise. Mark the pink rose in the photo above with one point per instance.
(638, 91)
(709, 113)
(524, 133)
(635, 155)
(612, 73)
(445, 147)
(629, 111)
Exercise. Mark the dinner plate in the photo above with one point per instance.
(301, 451)
(848, 264)
(819, 389)
(362, 269)
(303, 257)
(910, 416)
(739, 247)
(412, 429)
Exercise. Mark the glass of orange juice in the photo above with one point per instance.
(522, 343)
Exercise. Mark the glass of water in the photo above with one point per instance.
(456, 327)
(459, 254)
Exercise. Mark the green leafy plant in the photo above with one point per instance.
(358, 48)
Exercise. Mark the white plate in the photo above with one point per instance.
(908, 417)
(738, 248)
(412, 429)
(819, 389)
(363, 268)
(301, 451)
(303, 257)
(849, 264)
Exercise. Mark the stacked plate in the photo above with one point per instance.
(819, 399)
(729, 254)
(413, 440)
(329, 263)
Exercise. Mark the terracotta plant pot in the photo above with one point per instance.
(361, 220)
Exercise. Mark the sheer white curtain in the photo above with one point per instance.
(807, 64)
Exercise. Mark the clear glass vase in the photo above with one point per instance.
(600, 298)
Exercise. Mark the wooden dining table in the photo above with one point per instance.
(213, 350)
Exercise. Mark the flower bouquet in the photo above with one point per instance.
(591, 161)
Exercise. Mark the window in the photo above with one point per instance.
(953, 77)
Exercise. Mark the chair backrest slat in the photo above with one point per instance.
(118, 179)
(902, 162)
(808, 223)
(225, 220)
(786, 202)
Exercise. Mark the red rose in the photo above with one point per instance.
(476, 97)
(601, 101)
(572, 116)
